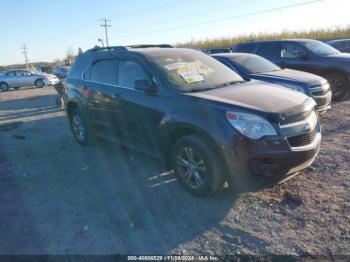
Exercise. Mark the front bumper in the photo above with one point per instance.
(268, 159)
(51, 82)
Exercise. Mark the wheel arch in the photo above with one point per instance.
(334, 70)
(71, 105)
(183, 130)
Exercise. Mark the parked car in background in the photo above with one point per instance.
(206, 122)
(342, 45)
(211, 51)
(61, 71)
(16, 78)
(307, 55)
(251, 66)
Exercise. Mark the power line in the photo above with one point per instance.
(221, 19)
(24, 51)
(106, 25)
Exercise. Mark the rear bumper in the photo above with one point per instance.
(268, 160)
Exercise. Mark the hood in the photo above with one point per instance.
(260, 96)
(292, 76)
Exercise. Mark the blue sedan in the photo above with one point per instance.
(253, 67)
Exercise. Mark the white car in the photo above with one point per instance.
(16, 78)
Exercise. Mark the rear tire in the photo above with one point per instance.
(197, 166)
(79, 126)
(4, 87)
(39, 83)
(339, 86)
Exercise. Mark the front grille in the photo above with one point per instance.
(303, 139)
(295, 118)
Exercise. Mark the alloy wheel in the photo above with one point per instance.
(78, 127)
(3, 87)
(191, 167)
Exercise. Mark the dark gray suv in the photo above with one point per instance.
(203, 119)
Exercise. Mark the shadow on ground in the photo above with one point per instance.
(61, 198)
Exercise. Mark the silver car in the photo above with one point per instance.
(16, 78)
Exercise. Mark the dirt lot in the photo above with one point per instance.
(57, 197)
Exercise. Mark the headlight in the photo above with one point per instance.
(325, 86)
(294, 87)
(250, 125)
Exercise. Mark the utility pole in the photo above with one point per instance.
(106, 25)
(24, 51)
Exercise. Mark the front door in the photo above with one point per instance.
(295, 56)
(140, 116)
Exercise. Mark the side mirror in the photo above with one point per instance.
(145, 85)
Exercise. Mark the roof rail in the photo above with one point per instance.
(98, 48)
(150, 46)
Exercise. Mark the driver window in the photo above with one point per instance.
(129, 72)
(292, 51)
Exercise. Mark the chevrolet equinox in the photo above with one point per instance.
(206, 122)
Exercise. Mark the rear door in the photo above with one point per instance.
(140, 116)
(270, 51)
(11, 78)
(101, 96)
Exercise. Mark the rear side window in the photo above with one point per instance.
(102, 71)
(270, 50)
(129, 72)
(11, 73)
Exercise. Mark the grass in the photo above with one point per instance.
(320, 34)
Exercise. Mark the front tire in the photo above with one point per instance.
(196, 166)
(79, 126)
(4, 87)
(39, 83)
(339, 86)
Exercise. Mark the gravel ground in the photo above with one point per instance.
(61, 198)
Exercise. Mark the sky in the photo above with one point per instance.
(50, 28)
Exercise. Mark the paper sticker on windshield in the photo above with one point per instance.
(192, 77)
(176, 65)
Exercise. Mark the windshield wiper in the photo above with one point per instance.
(229, 83)
(215, 87)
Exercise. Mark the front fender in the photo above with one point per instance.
(208, 122)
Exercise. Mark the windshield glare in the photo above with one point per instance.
(320, 48)
(254, 64)
(191, 71)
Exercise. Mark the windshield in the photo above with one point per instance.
(191, 71)
(254, 64)
(319, 48)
